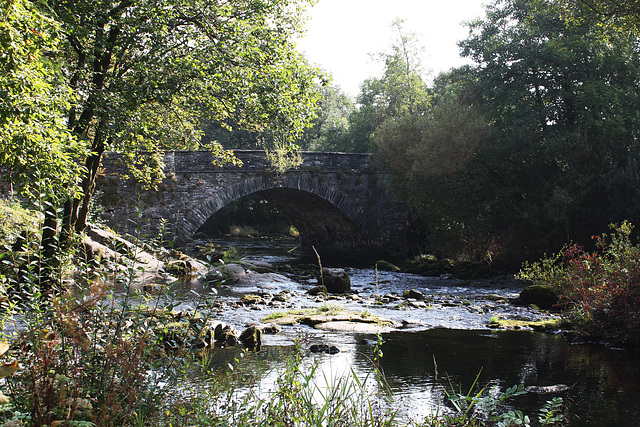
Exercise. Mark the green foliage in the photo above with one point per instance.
(556, 95)
(36, 149)
(15, 219)
(330, 130)
(78, 366)
(429, 156)
(88, 353)
(555, 136)
(403, 89)
(551, 413)
(139, 78)
(486, 408)
(436, 142)
(399, 92)
(601, 288)
(606, 13)
(283, 157)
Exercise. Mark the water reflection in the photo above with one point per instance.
(603, 383)
(419, 366)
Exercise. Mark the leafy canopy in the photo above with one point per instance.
(36, 148)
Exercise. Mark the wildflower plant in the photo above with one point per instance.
(601, 289)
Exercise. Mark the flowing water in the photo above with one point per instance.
(445, 343)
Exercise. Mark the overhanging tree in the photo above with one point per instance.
(563, 95)
(37, 150)
(232, 59)
(127, 61)
(561, 98)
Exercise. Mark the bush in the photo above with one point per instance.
(601, 289)
(86, 359)
(14, 219)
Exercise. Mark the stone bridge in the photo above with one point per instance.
(337, 201)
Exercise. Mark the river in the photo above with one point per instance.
(445, 342)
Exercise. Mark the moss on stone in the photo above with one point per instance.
(386, 266)
(544, 325)
(318, 290)
(313, 317)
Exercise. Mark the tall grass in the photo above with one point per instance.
(301, 395)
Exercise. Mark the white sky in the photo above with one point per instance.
(341, 34)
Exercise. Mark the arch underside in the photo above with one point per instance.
(319, 222)
(325, 218)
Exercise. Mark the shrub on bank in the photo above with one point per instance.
(14, 220)
(600, 290)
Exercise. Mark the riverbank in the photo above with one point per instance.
(181, 322)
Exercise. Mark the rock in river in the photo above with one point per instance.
(324, 348)
(251, 337)
(336, 280)
(413, 293)
(547, 389)
(543, 296)
(317, 290)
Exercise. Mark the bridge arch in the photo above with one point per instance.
(336, 200)
(325, 216)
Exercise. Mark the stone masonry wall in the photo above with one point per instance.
(336, 200)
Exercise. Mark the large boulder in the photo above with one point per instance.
(414, 294)
(336, 280)
(251, 337)
(542, 296)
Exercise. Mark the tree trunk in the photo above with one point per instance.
(76, 210)
(93, 163)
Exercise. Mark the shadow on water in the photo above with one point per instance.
(604, 384)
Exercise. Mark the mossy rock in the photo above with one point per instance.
(542, 296)
(179, 264)
(250, 299)
(251, 337)
(431, 267)
(386, 266)
(414, 294)
(225, 335)
(179, 267)
(282, 297)
(317, 290)
(544, 325)
(336, 280)
(344, 317)
(471, 270)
